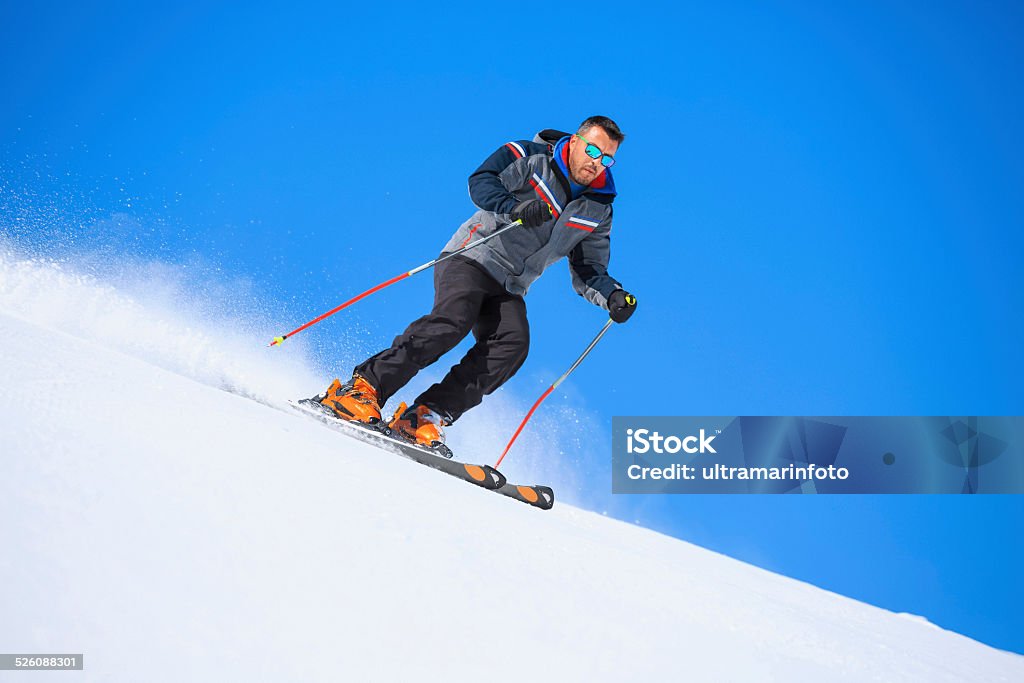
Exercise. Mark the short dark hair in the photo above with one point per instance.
(607, 124)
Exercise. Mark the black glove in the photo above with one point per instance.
(621, 305)
(532, 212)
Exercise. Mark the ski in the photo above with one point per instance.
(440, 458)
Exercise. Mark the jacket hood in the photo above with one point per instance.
(549, 136)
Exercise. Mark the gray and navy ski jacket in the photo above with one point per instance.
(580, 226)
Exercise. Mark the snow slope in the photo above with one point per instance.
(174, 531)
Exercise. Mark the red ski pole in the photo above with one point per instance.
(552, 388)
(314, 321)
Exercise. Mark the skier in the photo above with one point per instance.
(560, 186)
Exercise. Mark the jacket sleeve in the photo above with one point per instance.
(588, 265)
(490, 186)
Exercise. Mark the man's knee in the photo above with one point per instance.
(432, 336)
(520, 344)
(443, 330)
(519, 337)
(512, 346)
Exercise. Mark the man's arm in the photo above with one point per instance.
(588, 264)
(491, 186)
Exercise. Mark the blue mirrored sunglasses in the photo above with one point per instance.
(594, 152)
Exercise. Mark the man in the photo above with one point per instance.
(560, 186)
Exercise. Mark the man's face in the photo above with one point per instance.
(582, 168)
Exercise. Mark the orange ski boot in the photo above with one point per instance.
(419, 424)
(355, 400)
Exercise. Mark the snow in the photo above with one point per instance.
(172, 519)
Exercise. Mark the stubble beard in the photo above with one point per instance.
(576, 179)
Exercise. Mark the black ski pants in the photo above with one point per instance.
(466, 299)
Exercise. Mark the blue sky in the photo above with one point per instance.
(820, 212)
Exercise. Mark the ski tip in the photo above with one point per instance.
(538, 496)
(546, 497)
